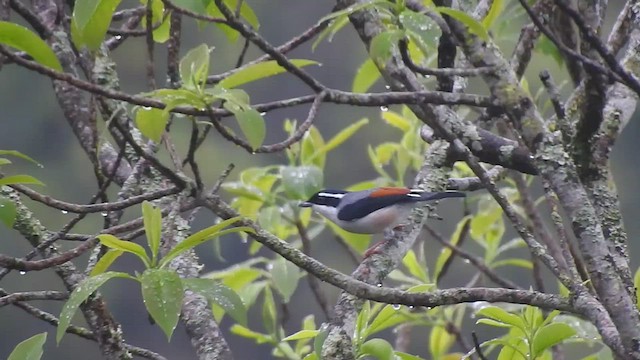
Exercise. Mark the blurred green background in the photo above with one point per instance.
(31, 122)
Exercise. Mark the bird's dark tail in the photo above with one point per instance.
(430, 196)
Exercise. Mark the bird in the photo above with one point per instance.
(371, 211)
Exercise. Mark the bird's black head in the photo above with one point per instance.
(326, 197)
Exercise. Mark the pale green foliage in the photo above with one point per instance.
(162, 289)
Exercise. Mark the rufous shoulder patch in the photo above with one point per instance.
(386, 191)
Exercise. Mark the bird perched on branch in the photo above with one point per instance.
(371, 211)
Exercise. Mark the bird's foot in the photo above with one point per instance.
(375, 249)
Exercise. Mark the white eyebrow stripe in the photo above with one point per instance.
(331, 195)
(414, 195)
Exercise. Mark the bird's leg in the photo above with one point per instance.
(375, 249)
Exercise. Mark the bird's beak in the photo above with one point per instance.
(305, 204)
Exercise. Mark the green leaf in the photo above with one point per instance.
(250, 334)
(396, 120)
(30, 349)
(113, 242)
(330, 31)
(440, 341)
(341, 137)
(523, 263)
(194, 67)
(105, 261)
(90, 21)
(358, 242)
(162, 293)
(7, 211)
(203, 235)
(496, 8)
(151, 122)
(18, 154)
(378, 348)
(547, 47)
(23, 39)
(20, 179)
(311, 142)
(302, 334)
(259, 71)
(301, 182)
(386, 318)
(416, 269)
(269, 312)
(494, 323)
(405, 356)
(319, 340)
(152, 218)
(252, 125)
(382, 44)
(162, 32)
(498, 314)
(221, 295)
(550, 335)
(366, 75)
(285, 276)
(446, 252)
(474, 26)
(87, 287)
(352, 9)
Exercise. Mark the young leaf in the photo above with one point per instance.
(300, 182)
(162, 293)
(202, 236)
(152, 122)
(366, 75)
(30, 349)
(492, 15)
(20, 179)
(378, 348)
(18, 154)
(87, 287)
(23, 39)
(252, 125)
(474, 26)
(269, 312)
(416, 269)
(550, 335)
(7, 211)
(330, 31)
(341, 137)
(113, 242)
(194, 67)
(358, 242)
(383, 43)
(250, 334)
(90, 21)
(259, 71)
(105, 261)
(285, 276)
(302, 334)
(440, 342)
(152, 218)
(498, 314)
(221, 295)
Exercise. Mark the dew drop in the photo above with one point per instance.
(387, 87)
(396, 306)
(244, 240)
(263, 113)
(41, 166)
(22, 272)
(379, 284)
(467, 261)
(64, 211)
(118, 37)
(384, 108)
(269, 266)
(104, 214)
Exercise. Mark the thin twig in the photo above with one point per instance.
(313, 282)
(473, 260)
